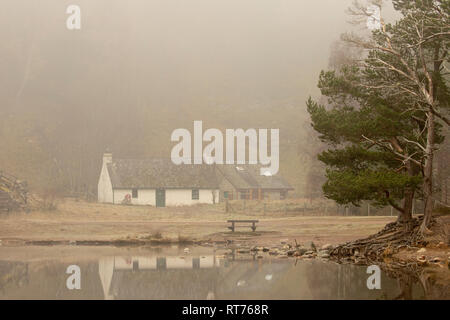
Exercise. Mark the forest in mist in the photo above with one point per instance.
(139, 69)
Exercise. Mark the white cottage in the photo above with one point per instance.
(156, 182)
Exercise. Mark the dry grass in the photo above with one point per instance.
(79, 220)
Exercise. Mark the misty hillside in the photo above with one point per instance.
(139, 69)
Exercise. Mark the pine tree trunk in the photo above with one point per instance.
(406, 215)
(428, 174)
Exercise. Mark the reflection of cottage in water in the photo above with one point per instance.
(205, 277)
(158, 277)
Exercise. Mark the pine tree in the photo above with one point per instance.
(358, 168)
(393, 105)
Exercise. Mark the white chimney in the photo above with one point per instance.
(107, 158)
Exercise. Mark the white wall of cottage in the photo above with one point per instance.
(174, 197)
(183, 197)
(104, 187)
(145, 196)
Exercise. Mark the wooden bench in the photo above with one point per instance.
(235, 222)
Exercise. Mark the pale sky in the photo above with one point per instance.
(216, 52)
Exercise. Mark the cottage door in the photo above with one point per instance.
(160, 198)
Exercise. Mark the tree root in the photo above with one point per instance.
(388, 241)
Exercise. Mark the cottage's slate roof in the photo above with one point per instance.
(249, 177)
(160, 173)
(163, 173)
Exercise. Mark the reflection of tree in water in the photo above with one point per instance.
(47, 280)
(405, 284)
(433, 283)
(13, 274)
(345, 281)
(331, 281)
(436, 283)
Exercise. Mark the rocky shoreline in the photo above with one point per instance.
(437, 255)
(285, 250)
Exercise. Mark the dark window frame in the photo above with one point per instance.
(195, 194)
(134, 193)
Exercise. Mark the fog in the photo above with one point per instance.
(139, 69)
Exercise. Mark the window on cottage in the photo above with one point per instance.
(195, 194)
(225, 194)
(134, 193)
